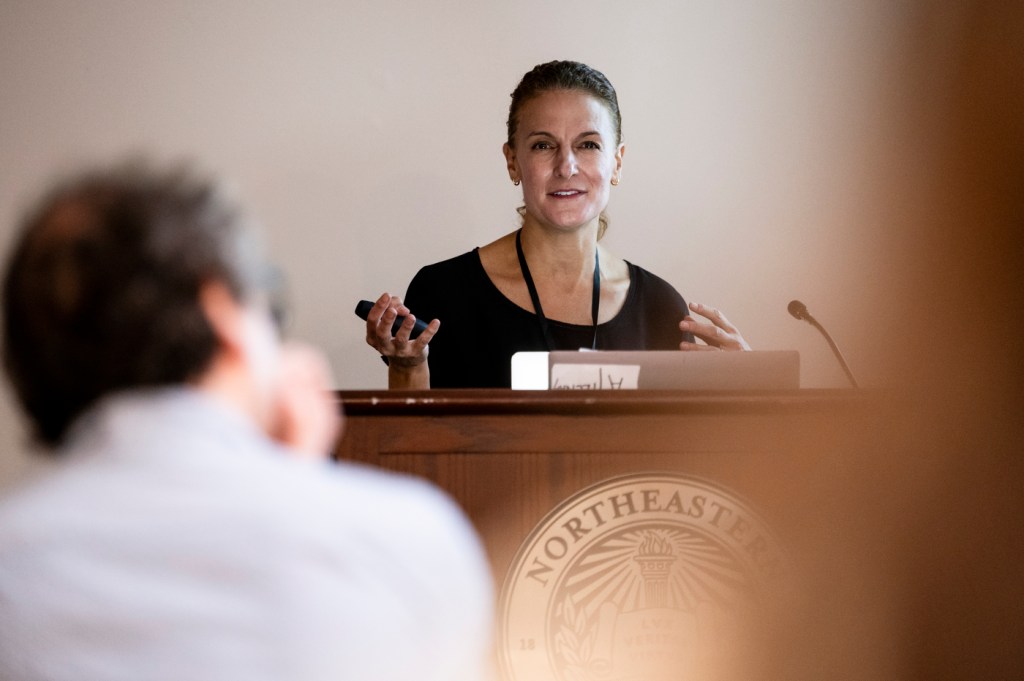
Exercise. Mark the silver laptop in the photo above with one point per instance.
(657, 370)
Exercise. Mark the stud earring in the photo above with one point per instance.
(615, 182)
(515, 182)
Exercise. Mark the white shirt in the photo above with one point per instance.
(174, 541)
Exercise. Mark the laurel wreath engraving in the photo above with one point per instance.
(574, 642)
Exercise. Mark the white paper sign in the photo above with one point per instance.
(595, 376)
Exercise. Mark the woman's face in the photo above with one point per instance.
(566, 156)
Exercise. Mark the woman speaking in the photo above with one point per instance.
(550, 285)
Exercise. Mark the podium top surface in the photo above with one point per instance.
(594, 402)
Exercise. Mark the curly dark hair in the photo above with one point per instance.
(563, 75)
(101, 291)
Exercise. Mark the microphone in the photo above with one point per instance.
(799, 310)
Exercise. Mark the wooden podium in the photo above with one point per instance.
(510, 457)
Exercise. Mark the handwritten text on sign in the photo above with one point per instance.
(595, 376)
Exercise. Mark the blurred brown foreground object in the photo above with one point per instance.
(916, 571)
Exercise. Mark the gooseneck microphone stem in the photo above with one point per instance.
(799, 310)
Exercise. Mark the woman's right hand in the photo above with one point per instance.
(406, 358)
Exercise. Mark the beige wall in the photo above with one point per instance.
(366, 136)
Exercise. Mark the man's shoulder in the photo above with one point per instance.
(350, 483)
(393, 503)
(294, 512)
(342, 504)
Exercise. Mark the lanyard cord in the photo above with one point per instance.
(595, 302)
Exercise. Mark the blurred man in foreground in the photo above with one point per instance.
(192, 528)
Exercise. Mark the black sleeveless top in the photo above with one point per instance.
(481, 329)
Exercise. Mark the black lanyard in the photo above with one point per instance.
(595, 303)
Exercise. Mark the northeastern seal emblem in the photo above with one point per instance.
(638, 577)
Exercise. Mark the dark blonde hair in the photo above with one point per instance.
(563, 75)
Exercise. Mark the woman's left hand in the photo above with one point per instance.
(717, 332)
